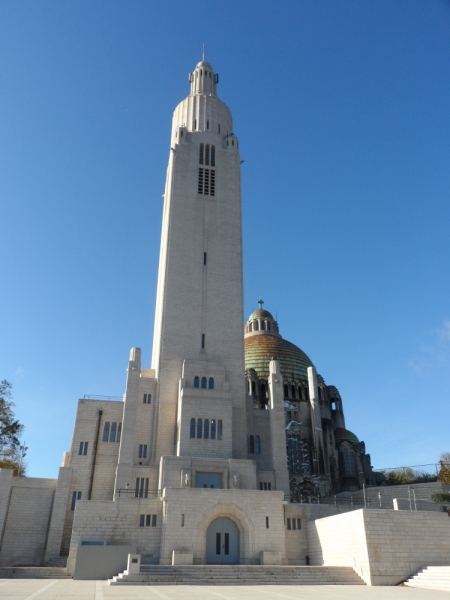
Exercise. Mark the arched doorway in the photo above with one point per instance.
(222, 542)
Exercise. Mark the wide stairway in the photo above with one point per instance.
(239, 575)
(436, 578)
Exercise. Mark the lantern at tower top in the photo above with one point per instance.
(203, 80)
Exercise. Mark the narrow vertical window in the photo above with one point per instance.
(227, 543)
(144, 453)
(182, 520)
(207, 155)
(260, 485)
(269, 486)
(257, 445)
(200, 181)
(213, 156)
(140, 450)
(146, 487)
(154, 520)
(147, 520)
(141, 520)
(85, 449)
(136, 490)
(252, 444)
(288, 524)
(199, 428)
(206, 429)
(294, 525)
(212, 183)
(219, 429)
(293, 391)
(299, 524)
(201, 154)
(267, 522)
(192, 431)
(211, 383)
(119, 432)
(286, 391)
(144, 399)
(207, 124)
(75, 496)
(203, 383)
(106, 432)
(204, 258)
(203, 340)
(141, 488)
(213, 429)
(265, 486)
(218, 544)
(195, 124)
(112, 436)
(80, 451)
(206, 183)
(196, 382)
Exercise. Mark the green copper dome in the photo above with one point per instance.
(344, 435)
(260, 349)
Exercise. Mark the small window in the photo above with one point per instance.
(212, 183)
(206, 429)
(143, 451)
(213, 156)
(75, 496)
(206, 183)
(207, 123)
(112, 436)
(293, 391)
(320, 393)
(119, 432)
(286, 391)
(269, 486)
(106, 432)
(83, 448)
(204, 258)
(265, 486)
(147, 399)
(182, 520)
(257, 445)
(196, 382)
(213, 429)
(333, 405)
(148, 520)
(255, 326)
(201, 154)
(260, 485)
(140, 450)
(288, 524)
(203, 383)
(142, 521)
(267, 522)
(200, 181)
(192, 431)
(294, 525)
(252, 444)
(232, 142)
(199, 428)
(203, 340)
(219, 429)
(263, 325)
(195, 124)
(299, 524)
(154, 520)
(211, 383)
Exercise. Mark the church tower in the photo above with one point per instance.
(198, 351)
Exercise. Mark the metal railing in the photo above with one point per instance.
(96, 397)
(133, 493)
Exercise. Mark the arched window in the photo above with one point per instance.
(203, 383)
(196, 382)
(211, 383)
(257, 445)
(192, 433)
(293, 390)
(333, 405)
(119, 432)
(112, 435)
(206, 429)
(106, 432)
(199, 428)
(286, 390)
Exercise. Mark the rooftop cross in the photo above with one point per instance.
(260, 302)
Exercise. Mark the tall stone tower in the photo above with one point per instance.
(199, 307)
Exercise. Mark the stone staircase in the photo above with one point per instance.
(239, 575)
(437, 578)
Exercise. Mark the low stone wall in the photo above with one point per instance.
(384, 547)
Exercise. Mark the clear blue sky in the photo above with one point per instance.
(342, 111)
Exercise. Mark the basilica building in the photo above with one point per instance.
(212, 453)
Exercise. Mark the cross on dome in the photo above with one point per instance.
(260, 302)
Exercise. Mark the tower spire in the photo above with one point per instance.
(203, 52)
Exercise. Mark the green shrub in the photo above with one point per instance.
(440, 498)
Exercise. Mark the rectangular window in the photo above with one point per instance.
(75, 496)
(147, 398)
(153, 520)
(252, 444)
(147, 521)
(200, 181)
(141, 489)
(260, 485)
(80, 451)
(199, 428)
(294, 524)
(112, 436)
(288, 524)
(192, 431)
(201, 154)
(83, 448)
(219, 429)
(227, 543)
(213, 154)
(106, 432)
(140, 450)
(269, 486)
(213, 429)
(212, 183)
(144, 453)
(218, 544)
(265, 486)
(203, 340)
(299, 524)
(257, 445)
(142, 521)
(206, 183)
(206, 429)
(119, 432)
(182, 520)
(267, 522)
(207, 154)
(204, 258)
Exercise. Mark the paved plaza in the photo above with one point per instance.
(44, 589)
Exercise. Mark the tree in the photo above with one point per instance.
(12, 452)
(444, 472)
(407, 475)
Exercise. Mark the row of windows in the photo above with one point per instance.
(141, 489)
(143, 451)
(293, 524)
(294, 392)
(147, 520)
(147, 399)
(75, 496)
(82, 451)
(112, 432)
(265, 485)
(260, 326)
(254, 444)
(202, 384)
(202, 429)
(207, 153)
(206, 182)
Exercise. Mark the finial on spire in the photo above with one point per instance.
(203, 52)
(260, 302)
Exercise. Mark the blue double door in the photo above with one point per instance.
(222, 542)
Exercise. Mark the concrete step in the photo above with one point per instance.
(437, 578)
(33, 573)
(239, 575)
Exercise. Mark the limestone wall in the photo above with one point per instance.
(27, 521)
(384, 547)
